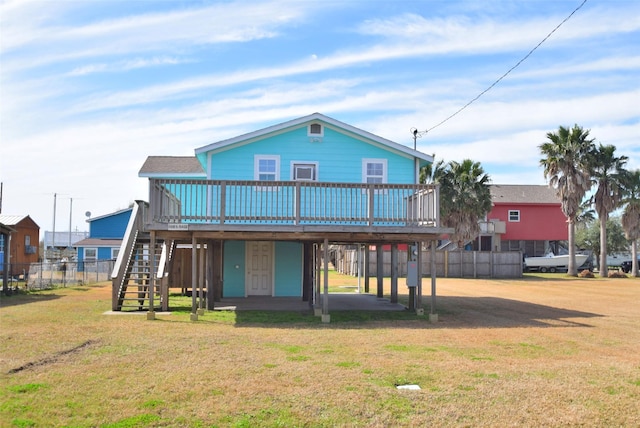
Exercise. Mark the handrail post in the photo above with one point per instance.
(297, 203)
(436, 204)
(223, 201)
(153, 202)
(371, 196)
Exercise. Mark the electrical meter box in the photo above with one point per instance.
(412, 274)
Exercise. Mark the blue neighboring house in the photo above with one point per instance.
(263, 204)
(104, 240)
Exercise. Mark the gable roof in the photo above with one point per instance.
(178, 166)
(14, 220)
(523, 194)
(315, 117)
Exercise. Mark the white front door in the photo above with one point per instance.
(259, 268)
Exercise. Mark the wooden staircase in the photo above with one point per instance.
(131, 277)
(135, 287)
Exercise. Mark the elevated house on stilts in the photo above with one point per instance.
(259, 211)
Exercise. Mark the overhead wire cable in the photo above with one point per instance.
(509, 71)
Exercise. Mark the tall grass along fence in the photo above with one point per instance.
(449, 264)
(61, 274)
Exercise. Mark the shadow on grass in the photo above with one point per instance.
(19, 297)
(488, 312)
(453, 313)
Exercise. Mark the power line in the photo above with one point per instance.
(509, 71)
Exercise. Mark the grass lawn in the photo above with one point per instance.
(546, 350)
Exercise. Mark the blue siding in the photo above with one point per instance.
(339, 156)
(104, 253)
(110, 227)
(288, 269)
(233, 281)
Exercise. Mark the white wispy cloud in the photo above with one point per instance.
(43, 43)
(126, 65)
(457, 37)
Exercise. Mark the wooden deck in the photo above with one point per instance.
(293, 210)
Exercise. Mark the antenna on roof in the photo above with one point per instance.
(416, 134)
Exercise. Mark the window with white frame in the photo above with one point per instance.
(266, 167)
(90, 254)
(114, 253)
(374, 171)
(514, 215)
(304, 171)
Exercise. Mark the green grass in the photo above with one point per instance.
(29, 387)
(143, 420)
(483, 364)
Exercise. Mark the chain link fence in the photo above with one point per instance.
(44, 275)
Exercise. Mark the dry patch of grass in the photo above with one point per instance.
(531, 352)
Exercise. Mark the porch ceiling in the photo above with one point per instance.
(335, 234)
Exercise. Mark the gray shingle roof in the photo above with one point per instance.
(171, 165)
(523, 194)
(97, 242)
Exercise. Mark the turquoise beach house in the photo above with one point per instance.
(258, 211)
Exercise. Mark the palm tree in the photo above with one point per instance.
(565, 163)
(608, 171)
(586, 214)
(465, 197)
(431, 171)
(631, 215)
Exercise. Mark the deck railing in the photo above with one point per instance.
(292, 202)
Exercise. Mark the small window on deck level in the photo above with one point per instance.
(374, 171)
(266, 168)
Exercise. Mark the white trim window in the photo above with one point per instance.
(114, 253)
(514, 215)
(374, 171)
(266, 167)
(304, 171)
(90, 254)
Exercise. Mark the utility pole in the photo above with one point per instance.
(70, 215)
(53, 234)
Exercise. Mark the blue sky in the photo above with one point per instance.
(89, 89)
